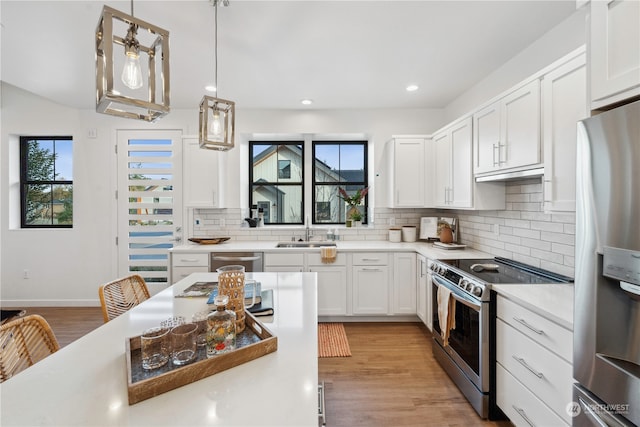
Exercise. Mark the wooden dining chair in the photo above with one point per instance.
(24, 342)
(120, 295)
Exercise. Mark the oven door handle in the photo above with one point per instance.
(438, 281)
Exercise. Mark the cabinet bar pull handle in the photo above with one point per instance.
(370, 259)
(371, 269)
(189, 260)
(526, 365)
(496, 147)
(589, 411)
(521, 412)
(527, 325)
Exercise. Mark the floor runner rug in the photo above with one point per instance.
(332, 340)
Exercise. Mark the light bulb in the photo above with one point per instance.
(132, 73)
(216, 126)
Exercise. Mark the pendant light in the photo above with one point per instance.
(217, 115)
(142, 92)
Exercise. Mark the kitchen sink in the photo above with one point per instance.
(304, 244)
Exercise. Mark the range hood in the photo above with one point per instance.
(506, 176)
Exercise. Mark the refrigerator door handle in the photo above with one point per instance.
(590, 412)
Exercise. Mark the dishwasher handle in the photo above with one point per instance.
(235, 258)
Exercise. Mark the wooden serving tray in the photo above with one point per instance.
(208, 240)
(254, 342)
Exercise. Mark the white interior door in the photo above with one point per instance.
(149, 203)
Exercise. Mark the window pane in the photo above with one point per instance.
(352, 163)
(267, 160)
(40, 160)
(64, 160)
(284, 203)
(38, 209)
(339, 162)
(329, 207)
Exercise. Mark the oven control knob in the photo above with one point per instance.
(477, 291)
(464, 283)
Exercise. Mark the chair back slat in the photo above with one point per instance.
(24, 342)
(120, 295)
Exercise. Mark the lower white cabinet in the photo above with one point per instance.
(332, 284)
(370, 283)
(183, 264)
(404, 283)
(534, 376)
(423, 291)
(276, 262)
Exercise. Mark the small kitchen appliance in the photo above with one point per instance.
(466, 357)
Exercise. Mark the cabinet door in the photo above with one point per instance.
(564, 94)
(614, 44)
(486, 139)
(201, 170)
(370, 289)
(409, 172)
(520, 139)
(404, 283)
(461, 165)
(332, 290)
(442, 168)
(421, 288)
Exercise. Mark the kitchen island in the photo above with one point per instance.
(85, 383)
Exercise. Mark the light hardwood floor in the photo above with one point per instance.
(391, 379)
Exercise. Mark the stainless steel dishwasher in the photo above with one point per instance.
(252, 261)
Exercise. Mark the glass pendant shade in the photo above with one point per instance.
(217, 123)
(142, 92)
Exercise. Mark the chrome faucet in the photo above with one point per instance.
(307, 233)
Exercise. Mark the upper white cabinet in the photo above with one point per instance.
(564, 103)
(452, 173)
(614, 44)
(202, 170)
(406, 156)
(507, 132)
(453, 178)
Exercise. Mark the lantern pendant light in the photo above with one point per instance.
(217, 115)
(142, 92)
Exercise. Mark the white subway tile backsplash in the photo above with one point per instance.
(525, 232)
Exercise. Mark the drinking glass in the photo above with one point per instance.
(231, 283)
(183, 343)
(154, 347)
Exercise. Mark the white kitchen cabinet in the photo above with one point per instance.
(614, 51)
(507, 132)
(533, 356)
(406, 156)
(370, 283)
(332, 284)
(453, 173)
(184, 263)
(284, 261)
(202, 171)
(404, 283)
(564, 103)
(423, 291)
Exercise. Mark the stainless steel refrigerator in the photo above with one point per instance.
(606, 361)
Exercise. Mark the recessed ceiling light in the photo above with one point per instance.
(307, 101)
(412, 88)
(210, 88)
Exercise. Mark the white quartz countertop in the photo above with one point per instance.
(424, 248)
(553, 301)
(85, 383)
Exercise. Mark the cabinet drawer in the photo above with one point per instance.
(179, 273)
(544, 331)
(289, 259)
(187, 260)
(316, 259)
(370, 258)
(520, 405)
(544, 373)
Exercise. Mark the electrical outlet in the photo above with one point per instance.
(496, 230)
(25, 274)
(392, 221)
(222, 222)
(197, 221)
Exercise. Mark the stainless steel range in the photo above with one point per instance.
(464, 351)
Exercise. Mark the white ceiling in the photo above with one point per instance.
(272, 54)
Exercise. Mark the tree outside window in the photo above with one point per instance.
(46, 182)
